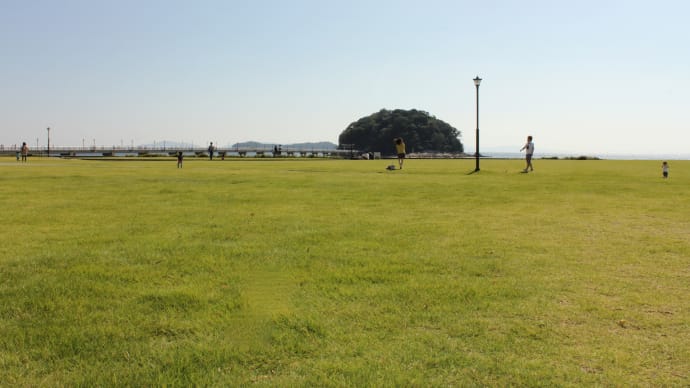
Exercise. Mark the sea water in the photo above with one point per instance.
(538, 155)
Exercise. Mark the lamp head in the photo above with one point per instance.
(477, 81)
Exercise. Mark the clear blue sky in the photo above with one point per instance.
(581, 76)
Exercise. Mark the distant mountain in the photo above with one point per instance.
(324, 145)
(168, 144)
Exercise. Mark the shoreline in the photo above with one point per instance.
(553, 155)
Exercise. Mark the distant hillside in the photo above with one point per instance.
(324, 145)
(168, 144)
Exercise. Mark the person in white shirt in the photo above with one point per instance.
(664, 169)
(529, 150)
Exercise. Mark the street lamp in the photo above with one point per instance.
(477, 81)
(49, 141)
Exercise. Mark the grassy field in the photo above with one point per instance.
(339, 273)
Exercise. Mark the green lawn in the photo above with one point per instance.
(340, 273)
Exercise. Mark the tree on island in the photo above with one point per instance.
(421, 132)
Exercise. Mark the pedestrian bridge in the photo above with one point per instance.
(220, 152)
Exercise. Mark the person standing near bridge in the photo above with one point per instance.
(211, 148)
(179, 159)
(24, 151)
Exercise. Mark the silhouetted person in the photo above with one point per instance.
(25, 151)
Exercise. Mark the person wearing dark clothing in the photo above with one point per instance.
(211, 149)
(25, 151)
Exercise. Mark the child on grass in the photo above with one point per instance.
(664, 169)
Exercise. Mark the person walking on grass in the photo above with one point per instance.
(664, 169)
(400, 150)
(179, 159)
(529, 151)
(25, 151)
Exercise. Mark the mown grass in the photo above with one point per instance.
(339, 273)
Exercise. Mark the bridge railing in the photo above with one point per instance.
(145, 150)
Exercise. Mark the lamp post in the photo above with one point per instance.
(477, 81)
(48, 141)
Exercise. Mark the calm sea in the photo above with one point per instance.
(518, 155)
